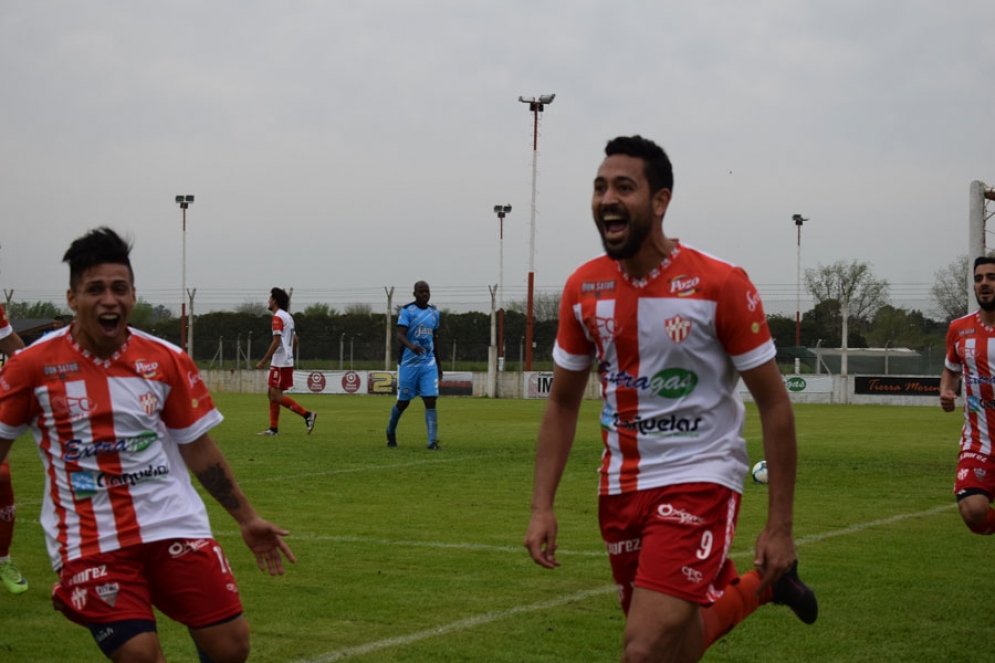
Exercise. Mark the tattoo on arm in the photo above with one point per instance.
(220, 486)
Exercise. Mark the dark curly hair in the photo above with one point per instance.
(658, 170)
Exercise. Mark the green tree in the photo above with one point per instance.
(782, 330)
(896, 328)
(823, 324)
(319, 310)
(146, 317)
(850, 284)
(35, 310)
(358, 309)
(252, 308)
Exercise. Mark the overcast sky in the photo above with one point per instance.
(341, 147)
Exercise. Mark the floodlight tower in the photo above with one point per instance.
(501, 211)
(536, 106)
(799, 220)
(184, 202)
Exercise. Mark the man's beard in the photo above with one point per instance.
(988, 306)
(637, 236)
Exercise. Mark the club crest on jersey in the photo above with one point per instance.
(678, 328)
(150, 403)
(108, 593)
(78, 598)
(147, 369)
(979, 474)
(683, 286)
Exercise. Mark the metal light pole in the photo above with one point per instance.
(535, 107)
(799, 220)
(501, 211)
(184, 202)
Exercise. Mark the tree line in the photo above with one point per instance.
(359, 336)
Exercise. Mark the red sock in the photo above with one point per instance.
(736, 604)
(987, 527)
(292, 405)
(274, 414)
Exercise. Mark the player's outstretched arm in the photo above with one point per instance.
(556, 436)
(775, 549)
(264, 539)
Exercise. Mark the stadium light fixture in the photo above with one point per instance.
(501, 211)
(535, 107)
(184, 202)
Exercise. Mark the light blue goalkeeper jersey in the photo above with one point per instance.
(422, 324)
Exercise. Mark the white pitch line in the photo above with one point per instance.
(490, 617)
(461, 625)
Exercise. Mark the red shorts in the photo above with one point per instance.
(975, 473)
(673, 540)
(281, 378)
(189, 580)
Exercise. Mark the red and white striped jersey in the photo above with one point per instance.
(108, 433)
(970, 350)
(5, 328)
(669, 350)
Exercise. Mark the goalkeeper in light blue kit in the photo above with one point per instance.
(418, 370)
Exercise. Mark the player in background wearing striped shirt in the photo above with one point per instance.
(10, 575)
(671, 329)
(280, 356)
(121, 418)
(970, 350)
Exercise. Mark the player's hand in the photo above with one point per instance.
(259, 365)
(775, 553)
(540, 539)
(265, 541)
(948, 400)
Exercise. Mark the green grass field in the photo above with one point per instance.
(414, 556)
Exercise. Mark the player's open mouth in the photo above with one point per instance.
(614, 225)
(109, 322)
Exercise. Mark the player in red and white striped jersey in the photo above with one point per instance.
(121, 418)
(671, 330)
(970, 355)
(10, 575)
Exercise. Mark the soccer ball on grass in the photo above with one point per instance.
(759, 472)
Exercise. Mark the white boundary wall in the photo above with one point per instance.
(802, 388)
